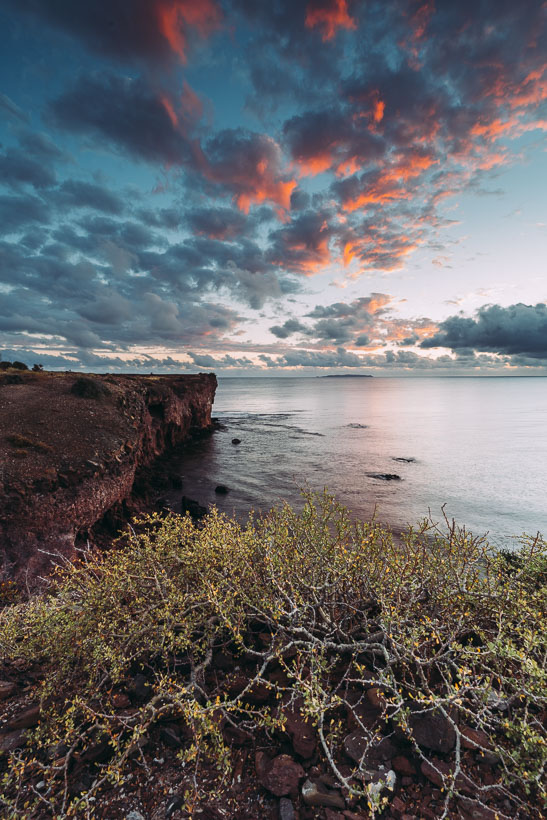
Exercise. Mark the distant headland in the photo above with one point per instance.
(347, 376)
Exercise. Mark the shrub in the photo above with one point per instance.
(434, 622)
(19, 366)
(88, 388)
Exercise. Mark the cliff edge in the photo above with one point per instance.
(71, 446)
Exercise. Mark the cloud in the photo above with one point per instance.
(329, 16)
(153, 30)
(77, 194)
(18, 212)
(288, 328)
(17, 168)
(518, 329)
(129, 114)
(250, 167)
(12, 109)
(217, 223)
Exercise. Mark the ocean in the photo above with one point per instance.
(476, 447)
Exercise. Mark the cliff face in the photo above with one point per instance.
(70, 447)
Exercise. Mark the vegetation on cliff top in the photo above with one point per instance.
(429, 648)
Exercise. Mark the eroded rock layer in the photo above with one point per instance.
(71, 446)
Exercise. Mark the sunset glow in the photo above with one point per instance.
(202, 182)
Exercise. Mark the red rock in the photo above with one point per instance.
(317, 794)
(402, 765)
(437, 772)
(150, 414)
(376, 698)
(471, 810)
(397, 806)
(472, 738)
(330, 814)
(300, 731)
(26, 719)
(279, 776)
(433, 730)
(120, 701)
(12, 741)
(357, 743)
(440, 769)
(7, 688)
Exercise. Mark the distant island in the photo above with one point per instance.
(347, 376)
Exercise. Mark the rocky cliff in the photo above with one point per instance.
(71, 447)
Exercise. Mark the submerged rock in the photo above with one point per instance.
(196, 510)
(385, 476)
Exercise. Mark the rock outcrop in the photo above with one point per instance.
(71, 448)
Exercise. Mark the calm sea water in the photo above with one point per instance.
(479, 446)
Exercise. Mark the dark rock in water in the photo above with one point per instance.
(175, 481)
(385, 476)
(188, 505)
(236, 441)
(220, 489)
(404, 460)
(358, 426)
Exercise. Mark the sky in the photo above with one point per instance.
(277, 187)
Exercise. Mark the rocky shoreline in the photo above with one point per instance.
(76, 451)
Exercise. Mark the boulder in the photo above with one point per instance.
(236, 441)
(221, 489)
(432, 730)
(7, 688)
(300, 732)
(26, 719)
(279, 776)
(195, 510)
(315, 793)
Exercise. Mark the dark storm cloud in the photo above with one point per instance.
(17, 212)
(126, 112)
(321, 140)
(77, 194)
(41, 147)
(17, 168)
(128, 29)
(217, 223)
(518, 329)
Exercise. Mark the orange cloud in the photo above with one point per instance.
(265, 188)
(168, 105)
(311, 166)
(329, 16)
(176, 16)
(378, 108)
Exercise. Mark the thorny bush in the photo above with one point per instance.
(440, 624)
